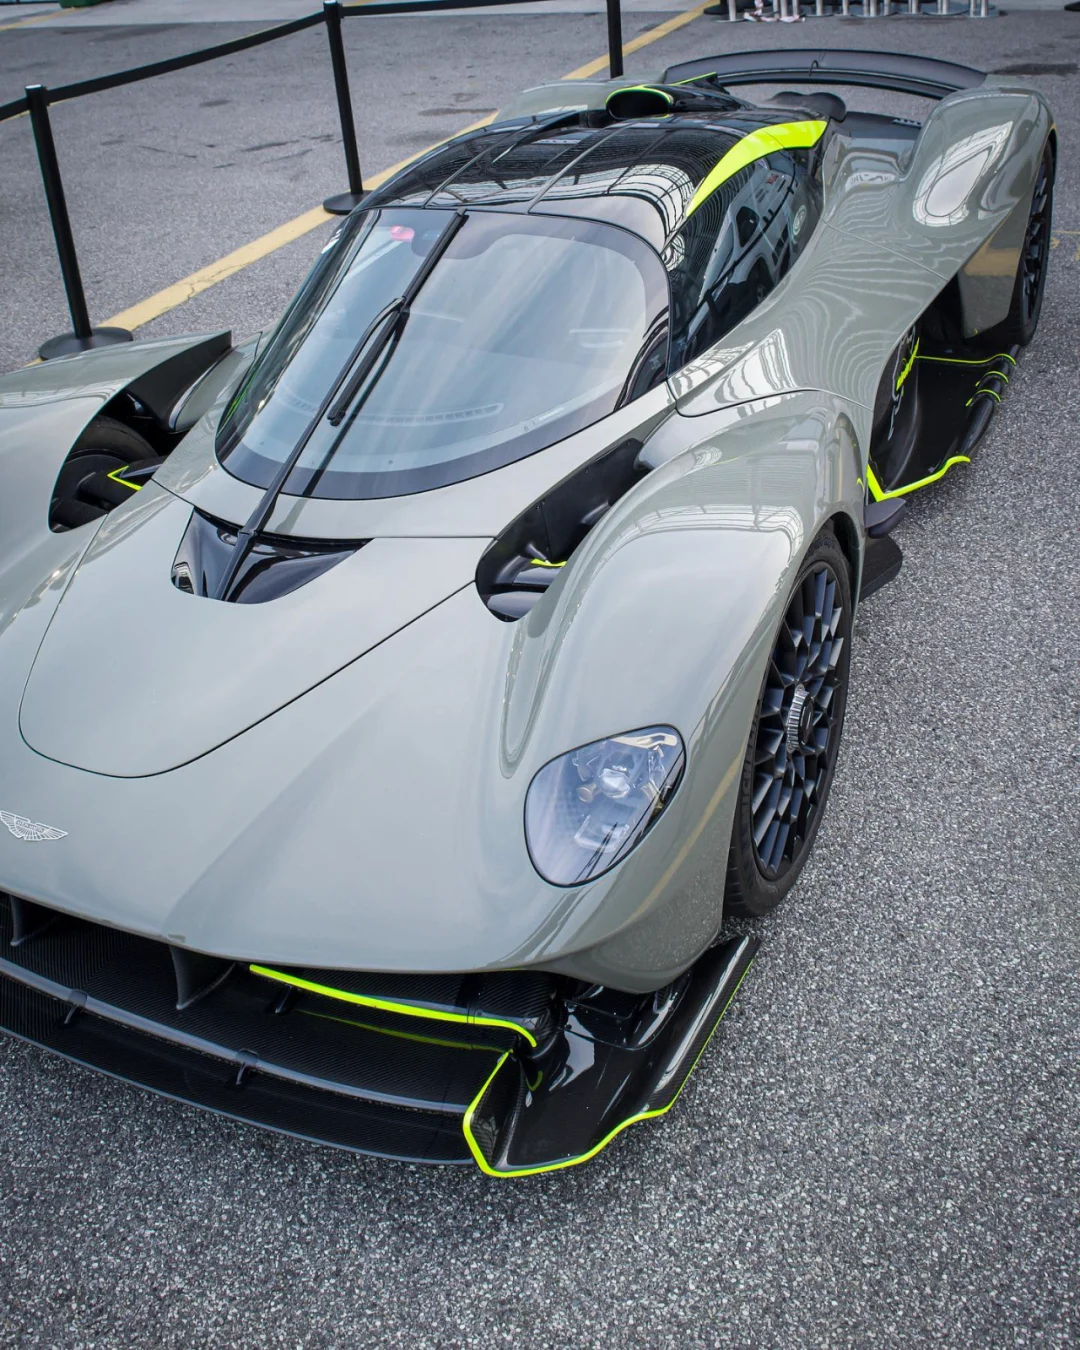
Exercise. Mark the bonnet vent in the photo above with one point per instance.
(273, 566)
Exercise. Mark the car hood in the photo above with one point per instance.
(134, 677)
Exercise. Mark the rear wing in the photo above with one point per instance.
(921, 75)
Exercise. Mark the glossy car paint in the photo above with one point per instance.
(339, 781)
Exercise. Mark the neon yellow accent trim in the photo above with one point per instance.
(992, 375)
(398, 1035)
(694, 79)
(969, 361)
(784, 136)
(879, 495)
(115, 476)
(976, 394)
(910, 362)
(535, 562)
(481, 1161)
(388, 1005)
(640, 89)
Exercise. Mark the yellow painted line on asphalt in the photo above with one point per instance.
(181, 291)
(154, 306)
(644, 40)
(1055, 241)
(34, 18)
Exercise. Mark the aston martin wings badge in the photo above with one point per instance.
(22, 827)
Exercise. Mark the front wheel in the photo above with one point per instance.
(791, 754)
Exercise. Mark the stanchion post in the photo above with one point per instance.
(83, 336)
(614, 38)
(344, 202)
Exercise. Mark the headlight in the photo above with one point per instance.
(586, 810)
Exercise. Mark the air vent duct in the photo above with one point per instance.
(273, 566)
(520, 565)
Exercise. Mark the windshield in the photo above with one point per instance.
(525, 331)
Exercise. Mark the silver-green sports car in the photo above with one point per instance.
(392, 706)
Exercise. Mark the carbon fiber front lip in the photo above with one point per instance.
(183, 1074)
(373, 1076)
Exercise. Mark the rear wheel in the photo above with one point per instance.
(791, 754)
(1023, 317)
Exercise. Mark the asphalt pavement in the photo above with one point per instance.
(882, 1145)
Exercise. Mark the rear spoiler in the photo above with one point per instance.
(921, 75)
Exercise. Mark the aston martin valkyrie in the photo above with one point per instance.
(394, 704)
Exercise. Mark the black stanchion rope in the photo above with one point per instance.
(103, 82)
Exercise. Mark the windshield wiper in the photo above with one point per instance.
(395, 322)
(388, 323)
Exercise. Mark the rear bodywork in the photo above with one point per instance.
(292, 831)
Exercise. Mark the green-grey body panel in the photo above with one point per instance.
(337, 778)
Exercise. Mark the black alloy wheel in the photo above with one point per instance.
(1037, 242)
(1023, 318)
(791, 754)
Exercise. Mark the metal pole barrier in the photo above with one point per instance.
(913, 6)
(344, 202)
(984, 9)
(819, 8)
(614, 39)
(83, 336)
(733, 11)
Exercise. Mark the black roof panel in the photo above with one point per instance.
(650, 169)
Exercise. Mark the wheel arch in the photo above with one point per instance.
(45, 408)
(849, 537)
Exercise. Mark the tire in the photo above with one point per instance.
(107, 436)
(104, 445)
(791, 752)
(1023, 318)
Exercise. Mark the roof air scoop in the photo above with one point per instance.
(627, 105)
(636, 101)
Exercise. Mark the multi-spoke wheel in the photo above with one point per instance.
(793, 743)
(1027, 297)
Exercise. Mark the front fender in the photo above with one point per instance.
(667, 614)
